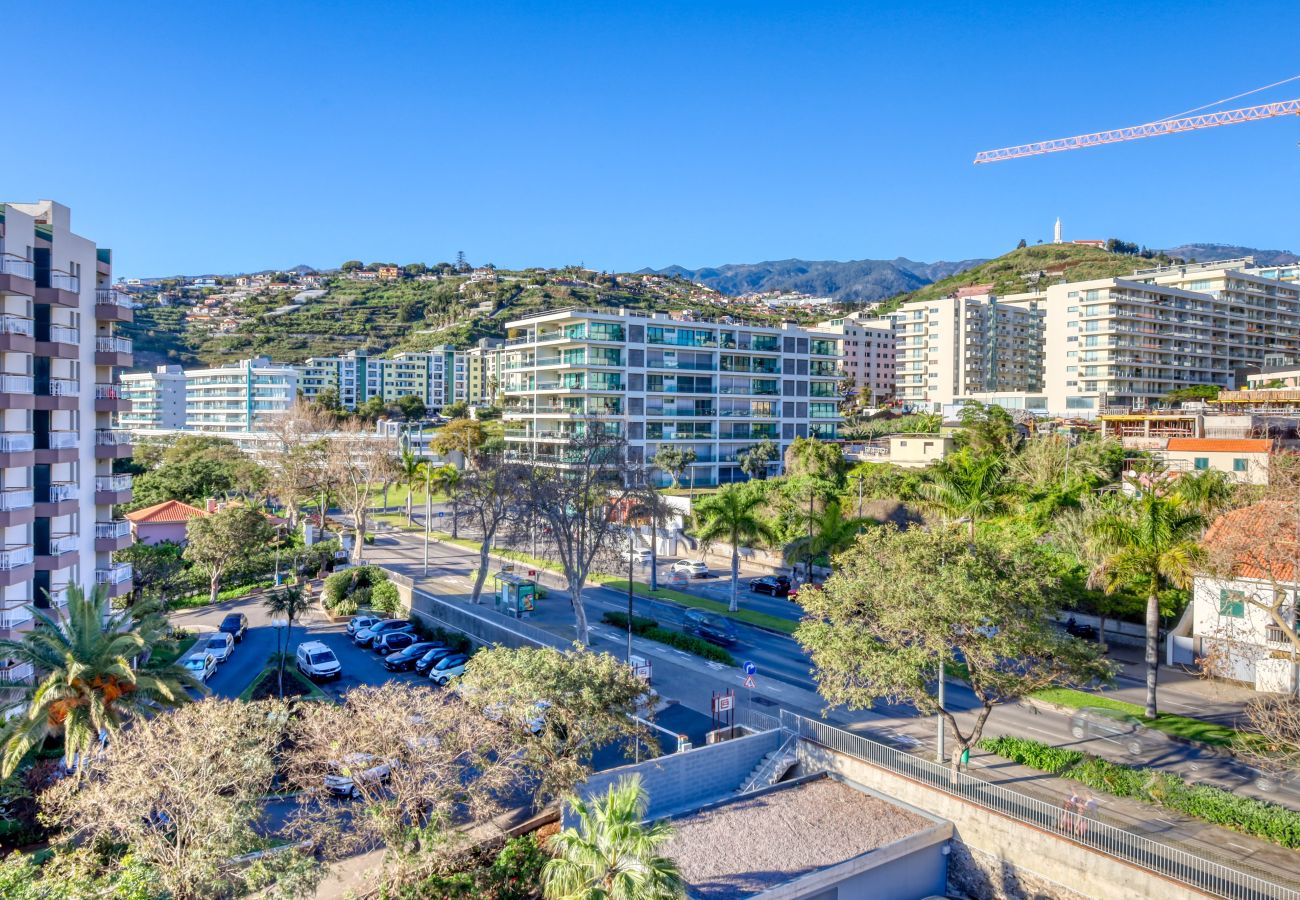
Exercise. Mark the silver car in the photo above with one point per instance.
(1111, 725)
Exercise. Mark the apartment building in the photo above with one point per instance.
(482, 372)
(437, 376)
(155, 399)
(59, 348)
(658, 380)
(235, 398)
(869, 347)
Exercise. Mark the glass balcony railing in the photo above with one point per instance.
(64, 282)
(16, 325)
(16, 266)
(64, 334)
(16, 498)
(113, 484)
(16, 384)
(17, 442)
(115, 574)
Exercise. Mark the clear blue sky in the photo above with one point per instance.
(195, 137)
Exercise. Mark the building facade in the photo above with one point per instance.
(870, 348)
(437, 376)
(234, 398)
(59, 350)
(156, 399)
(717, 389)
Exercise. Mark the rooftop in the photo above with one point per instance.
(167, 511)
(1220, 445)
(1257, 541)
(751, 844)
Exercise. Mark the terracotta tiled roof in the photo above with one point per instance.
(1221, 445)
(167, 511)
(1259, 540)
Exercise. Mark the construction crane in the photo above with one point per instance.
(1153, 129)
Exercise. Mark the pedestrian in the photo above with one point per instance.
(1068, 808)
(1086, 810)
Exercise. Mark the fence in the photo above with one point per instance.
(482, 624)
(1169, 862)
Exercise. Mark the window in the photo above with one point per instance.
(1232, 603)
(1239, 465)
(1201, 463)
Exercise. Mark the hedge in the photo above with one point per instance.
(1245, 814)
(649, 629)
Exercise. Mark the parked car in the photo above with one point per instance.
(364, 636)
(714, 629)
(1079, 630)
(448, 668)
(692, 568)
(235, 625)
(405, 659)
(355, 769)
(220, 645)
(640, 556)
(433, 655)
(364, 620)
(776, 585)
(315, 660)
(534, 719)
(392, 641)
(201, 665)
(1111, 725)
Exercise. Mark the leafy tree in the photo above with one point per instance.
(411, 473)
(732, 513)
(358, 461)
(988, 430)
(219, 542)
(753, 462)
(1194, 393)
(352, 265)
(87, 683)
(611, 855)
(904, 603)
(1205, 493)
(288, 603)
(1022, 245)
(194, 468)
(457, 409)
(814, 458)
(674, 461)
(1151, 544)
(157, 570)
(327, 400)
(411, 407)
(372, 410)
(488, 498)
(967, 487)
(832, 533)
(465, 436)
(446, 480)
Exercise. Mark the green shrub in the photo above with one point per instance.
(384, 597)
(640, 624)
(649, 628)
(1245, 814)
(336, 588)
(345, 607)
(517, 870)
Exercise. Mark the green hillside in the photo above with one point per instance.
(1020, 269)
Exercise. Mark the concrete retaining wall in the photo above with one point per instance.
(482, 624)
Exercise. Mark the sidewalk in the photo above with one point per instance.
(1179, 691)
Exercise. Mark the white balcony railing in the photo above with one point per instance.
(111, 530)
(16, 265)
(63, 440)
(16, 555)
(16, 384)
(64, 387)
(18, 442)
(108, 392)
(65, 282)
(64, 334)
(105, 437)
(61, 491)
(112, 345)
(17, 672)
(112, 297)
(14, 616)
(18, 498)
(113, 575)
(112, 483)
(62, 543)
(59, 597)
(15, 325)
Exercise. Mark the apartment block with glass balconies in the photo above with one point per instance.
(155, 399)
(59, 351)
(712, 387)
(236, 398)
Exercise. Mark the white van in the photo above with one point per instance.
(317, 661)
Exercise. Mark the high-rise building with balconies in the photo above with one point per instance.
(238, 397)
(156, 399)
(59, 350)
(717, 388)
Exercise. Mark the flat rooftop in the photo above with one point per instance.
(751, 844)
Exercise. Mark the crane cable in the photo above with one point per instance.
(1227, 99)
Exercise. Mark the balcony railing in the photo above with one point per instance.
(64, 334)
(114, 575)
(65, 282)
(17, 672)
(16, 555)
(112, 530)
(112, 483)
(112, 345)
(16, 265)
(59, 597)
(16, 384)
(64, 387)
(18, 498)
(60, 491)
(14, 616)
(15, 325)
(62, 440)
(62, 543)
(107, 437)
(19, 442)
(112, 296)
(108, 392)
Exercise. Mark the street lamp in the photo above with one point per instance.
(279, 623)
(428, 511)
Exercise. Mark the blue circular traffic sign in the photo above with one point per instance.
(750, 668)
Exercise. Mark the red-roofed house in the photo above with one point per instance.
(164, 521)
(1244, 460)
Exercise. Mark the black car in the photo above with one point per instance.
(392, 642)
(235, 624)
(432, 656)
(1080, 630)
(405, 659)
(714, 629)
(776, 585)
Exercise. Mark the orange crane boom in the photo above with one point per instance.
(1135, 132)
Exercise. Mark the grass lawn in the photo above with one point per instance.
(169, 651)
(193, 601)
(753, 617)
(1179, 726)
(397, 497)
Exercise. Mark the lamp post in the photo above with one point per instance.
(809, 573)
(428, 512)
(278, 623)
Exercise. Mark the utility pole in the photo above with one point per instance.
(428, 512)
(939, 716)
(809, 573)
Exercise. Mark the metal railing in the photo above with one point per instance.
(108, 437)
(64, 334)
(16, 265)
(15, 325)
(16, 555)
(16, 384)
(108, 392)
(14, 616)
(764, 775)
(1192, 869)
(61, 544)
(63, 281)
(110, 530)
(19, 672)
(111, 297)
(113, 483)
(113, 345)
(60, 491)
(18, 442)
(63, 387)
(21, 498)
(114, 575)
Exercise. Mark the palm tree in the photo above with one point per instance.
(1206, 493)
(831, 532)
(410, 472)
(447, 479)
(288, 603)
(967, 487)
(611, 855)
(1151, 542)
(86, 685)
(732, 513)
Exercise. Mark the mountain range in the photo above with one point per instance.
(1205, 252)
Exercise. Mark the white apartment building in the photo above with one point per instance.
(156, 399)
(715, 388)
(437, 376)
(234, 398)
(870, 349)
(58, 351)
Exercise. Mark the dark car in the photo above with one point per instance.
(432, 657)
(365, 635)
(234, 624)
(405, 659)
(776, 585)
(1080, 630)
(391, 642)
(714, 629)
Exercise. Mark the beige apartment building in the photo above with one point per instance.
(869, 352)
(59, 350)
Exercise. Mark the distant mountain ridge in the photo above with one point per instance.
(858, 280)
(1210, 252)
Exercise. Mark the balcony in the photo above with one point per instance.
(112, 351)
(56, 447)
(110, 536)
(16, 442)
(117, 578)
(16, 275)
(16, 334)
(109, 398)
(63, 289)
(16, 564)
(14, 617)
(112, 444)
(16, 391)
(58, 341)
(57, 499)
(112, 305)
(18, 672)
(58, 597)
(112, 489)
(59, 553)
(57, 393)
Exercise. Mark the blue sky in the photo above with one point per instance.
(238, 136)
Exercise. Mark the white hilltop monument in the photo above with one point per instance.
(1056, 232)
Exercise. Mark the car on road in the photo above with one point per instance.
(640, 556)
(220, 645)
(433, 655)
(448, 668)
(235, 625)
(392, 641)
(356, 769)
(1111, 725)
(793, 595)
(776, 585)
(1080, 630)
(692, 568)
(365, 636)
(365, 620)
(316, 660)
(201, 665)
(405, 659)
(714, 629)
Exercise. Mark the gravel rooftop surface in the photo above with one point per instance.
(754, 844)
